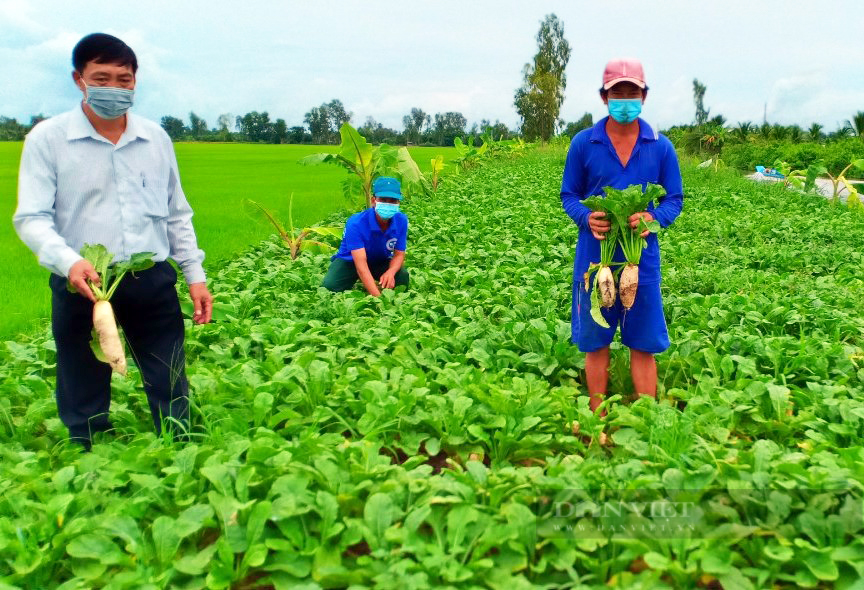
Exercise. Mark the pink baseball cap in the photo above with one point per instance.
(623, 70)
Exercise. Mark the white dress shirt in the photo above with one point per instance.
(75, 187)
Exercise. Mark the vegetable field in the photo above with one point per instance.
(216, 179)
(427, 438)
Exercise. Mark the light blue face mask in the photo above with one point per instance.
(386, 210)
(109, 102)
(625, 110)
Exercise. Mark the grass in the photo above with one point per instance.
(216, 178)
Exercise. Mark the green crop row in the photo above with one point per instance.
(426, 438)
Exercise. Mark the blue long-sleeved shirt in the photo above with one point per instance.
(76, 187)
(593, 164)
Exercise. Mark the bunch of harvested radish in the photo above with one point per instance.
(619, 205)
(107, 344)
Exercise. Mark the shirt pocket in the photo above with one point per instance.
(151, 201)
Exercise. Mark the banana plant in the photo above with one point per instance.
(467, 153)
(437, 166)
(853, 200)
(298, 240)
(366, 162)
(806, 179)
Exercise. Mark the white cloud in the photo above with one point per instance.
(383, 57)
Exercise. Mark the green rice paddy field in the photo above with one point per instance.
(216, 179)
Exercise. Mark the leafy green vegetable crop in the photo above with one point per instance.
(333, 434)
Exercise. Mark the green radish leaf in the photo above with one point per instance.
(596, 305)
(821, 565)
(262, 406)
(255, 556)
(778, 552)
(379, 514)
(735, 580)
(220, 310)
(93, 546)
(656, 561)
(192, 520)
(98, 255)
(653, 192)
(165, 538)
(139, 261)
(596, 203)
(195, 565)
(719, 562)
(257, 520)
(651, 226)
(96, 347)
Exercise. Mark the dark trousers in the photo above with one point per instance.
(146, 307)
(342, 274)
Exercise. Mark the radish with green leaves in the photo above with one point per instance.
(623, 204)
(107, 343)
(604, 283)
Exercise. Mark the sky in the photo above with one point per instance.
(790, 61)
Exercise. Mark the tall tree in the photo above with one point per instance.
(298, 134)
(173, 127)
(280, 132)
(448, 126)
(415, 123)
(698, 98)
(497, 131)
(12, 130)
(586, 121)
(197, 126)
(255, 126)
(856, 124)
(337, 115)
(538, 100)
(318, 122)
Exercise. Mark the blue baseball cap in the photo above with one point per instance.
(387, 186)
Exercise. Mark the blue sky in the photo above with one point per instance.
(382, 57)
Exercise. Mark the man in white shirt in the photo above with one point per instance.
(100, 175)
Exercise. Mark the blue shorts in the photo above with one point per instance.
(643, 327)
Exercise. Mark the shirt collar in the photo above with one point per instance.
(80, 127)
(598, 132)
(372, 221)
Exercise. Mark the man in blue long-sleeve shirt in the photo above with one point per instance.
(620, 150)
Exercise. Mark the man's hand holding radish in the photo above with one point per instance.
(636, 217)
(79, 274)
(598, 224)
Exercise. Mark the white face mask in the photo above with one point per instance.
(386, 210)
(108, 102)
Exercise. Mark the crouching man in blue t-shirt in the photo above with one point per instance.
(373, 245)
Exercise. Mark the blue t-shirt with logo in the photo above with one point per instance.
(362, 231)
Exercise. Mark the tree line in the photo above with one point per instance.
(321, 126)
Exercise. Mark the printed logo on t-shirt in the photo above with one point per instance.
(391, 244)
